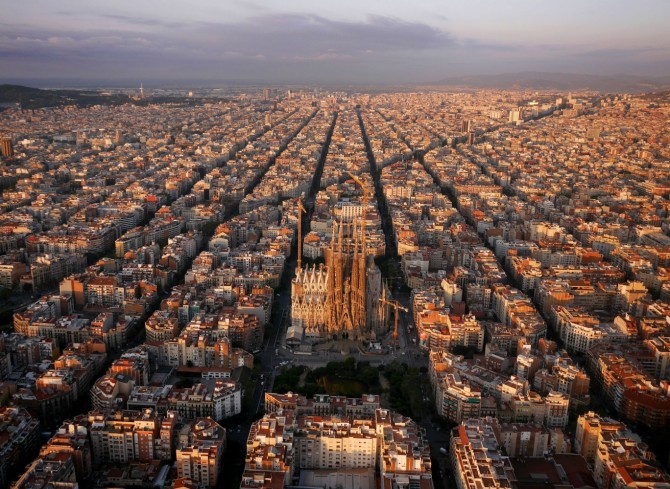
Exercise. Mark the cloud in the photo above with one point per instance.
(272, 40)
(141, 21)
(306, 37)
(280, 47)
(60, 45)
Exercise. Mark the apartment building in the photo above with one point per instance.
(456, 399)
(123, 436)
(476, 457)
(334, 442)
(200, 458)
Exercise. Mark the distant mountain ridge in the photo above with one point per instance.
(32, 98)
(35, 98)
(560, 81)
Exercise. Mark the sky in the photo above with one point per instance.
(328, 42)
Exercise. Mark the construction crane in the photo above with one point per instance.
(301, 209)
(360, 183)
(396, 306)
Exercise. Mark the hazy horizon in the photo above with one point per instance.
(378, 43)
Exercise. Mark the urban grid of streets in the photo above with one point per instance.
(178, 220)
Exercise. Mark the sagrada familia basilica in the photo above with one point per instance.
(345, 297)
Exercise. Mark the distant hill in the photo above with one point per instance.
(35, 98)
(560, 81)
(658, 97)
